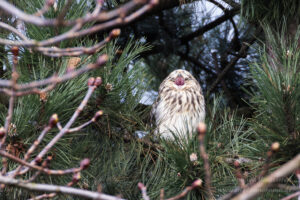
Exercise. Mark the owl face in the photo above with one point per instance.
(180, 80)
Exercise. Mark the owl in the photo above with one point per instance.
(179, 106)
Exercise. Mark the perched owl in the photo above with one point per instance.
(179, 107)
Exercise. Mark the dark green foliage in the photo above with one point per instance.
(277, 93)
(271, 11)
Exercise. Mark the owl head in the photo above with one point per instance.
(180, 80)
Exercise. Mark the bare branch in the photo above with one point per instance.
(107, 20)
(242, 51)
(291, 196)
(40, 21)
(232, 3)
(56, 79)
(201, 135)
(209, 26)
(32, 148)
(143, 189)
(196, 183)
(47, 5)
(14, 78)
(93, 84)
(13, 30)
(239, 175)
(57, 189)
(267, 182)
(36, 167)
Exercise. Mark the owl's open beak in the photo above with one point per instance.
(179, 80)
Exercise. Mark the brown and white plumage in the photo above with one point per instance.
(180, 105)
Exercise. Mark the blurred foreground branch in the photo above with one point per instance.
(101, 21)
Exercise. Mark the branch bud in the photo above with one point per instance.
(15, 50)
(91, 81)
(98, 114)
(115, 33)
(101, 2)
(269, 153)
(236, 163)
(197, 183)
(275, 146)
(141, 185)
(102, 60)
(49, 158)
(90, 51)
(99, 188)
(98, 81)
(154, 2)
(2, 132)
(85, 163)
(53, 120)
(201, 128)
(119, 52)
(45, 164)
(76, 177)
(50, 3)
(38, 160)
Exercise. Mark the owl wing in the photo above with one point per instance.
(153, 112)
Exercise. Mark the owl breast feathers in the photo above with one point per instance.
(179, 107)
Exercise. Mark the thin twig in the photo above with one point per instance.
(57, 79)
(57, 189)
(36, 167)
(201, 135)
(143, 189)
(287, 187)
(108, 20)
(291, 196)
(195, 184)
(14, 78)
(80, 127)
(13, 30)
(32, 148)
(41, 21)
(239, 175)
(162, 194)
(242, 51)
(267, 182)
(232, 3)
(47, 5)
(68, 125)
